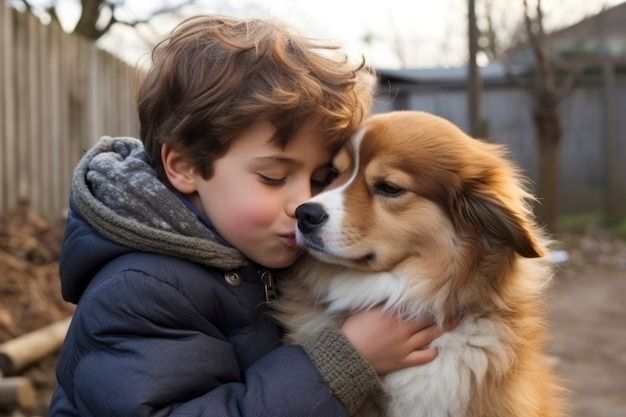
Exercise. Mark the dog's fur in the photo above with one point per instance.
(428, 221)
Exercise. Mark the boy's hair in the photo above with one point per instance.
(214, 76)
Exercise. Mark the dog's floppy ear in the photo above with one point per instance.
(496, 222)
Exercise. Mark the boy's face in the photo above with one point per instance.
(256, 187)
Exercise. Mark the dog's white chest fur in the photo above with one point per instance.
(442, 387)
(438, 389)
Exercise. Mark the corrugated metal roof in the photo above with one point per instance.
(495, 71)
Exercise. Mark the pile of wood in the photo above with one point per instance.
(33, 316)
(18, 354)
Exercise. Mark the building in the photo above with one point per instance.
(593, 147)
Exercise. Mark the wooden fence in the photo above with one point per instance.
(58, 94)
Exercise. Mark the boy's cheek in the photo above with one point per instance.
(254, 215)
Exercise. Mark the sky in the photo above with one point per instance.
(389, 33)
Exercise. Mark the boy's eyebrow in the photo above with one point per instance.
(278, 159)
(286, 161)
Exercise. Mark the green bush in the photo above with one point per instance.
(576, 224)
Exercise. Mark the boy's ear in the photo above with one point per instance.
(179, 172)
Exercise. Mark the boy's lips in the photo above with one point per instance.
(290, 239)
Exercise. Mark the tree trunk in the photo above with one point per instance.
(548, 124)
(474, 102)
(90, 14)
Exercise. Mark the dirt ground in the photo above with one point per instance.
(587, 311)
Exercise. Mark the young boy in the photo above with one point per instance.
(171, 242)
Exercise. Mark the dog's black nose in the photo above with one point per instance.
(310, 216)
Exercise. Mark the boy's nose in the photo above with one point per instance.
(302, 195)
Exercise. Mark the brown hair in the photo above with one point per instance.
(214, 76)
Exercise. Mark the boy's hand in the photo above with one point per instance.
(389, 344)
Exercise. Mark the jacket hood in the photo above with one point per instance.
(118, 205)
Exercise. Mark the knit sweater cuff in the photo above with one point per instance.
(347, 373)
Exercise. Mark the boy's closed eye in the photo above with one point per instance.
(318, 182)
(271, 180)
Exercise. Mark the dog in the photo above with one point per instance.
(429, 221)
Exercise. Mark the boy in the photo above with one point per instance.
(171, 242)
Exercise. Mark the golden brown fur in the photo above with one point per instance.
(431, 221)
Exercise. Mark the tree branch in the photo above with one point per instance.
(157, 12)
(92, 12)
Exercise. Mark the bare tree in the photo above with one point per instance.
(98, 16)
(547, 94)
(547, 91)
(474, 102)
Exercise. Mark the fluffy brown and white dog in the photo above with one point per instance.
(429, 221)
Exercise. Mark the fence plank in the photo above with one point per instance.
(45, 131)
(56, 123)
(4, 48)
(33, 141)
(22, 105)
(9, 121)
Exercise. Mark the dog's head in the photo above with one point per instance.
(416, 187)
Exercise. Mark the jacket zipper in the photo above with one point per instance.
(268, 282)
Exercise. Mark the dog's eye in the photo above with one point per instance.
(388, 189)
(323, 178)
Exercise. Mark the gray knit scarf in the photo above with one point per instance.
(119, 195)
